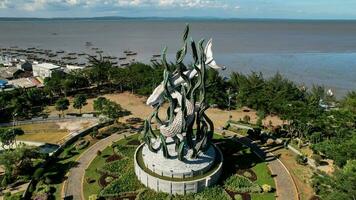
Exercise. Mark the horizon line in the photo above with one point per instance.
(181, 17)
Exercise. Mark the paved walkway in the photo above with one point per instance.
(286, 188)
(73, 186)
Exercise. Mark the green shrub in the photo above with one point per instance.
(301, 159)
(212, 194)
(266, 188)
(16, 196)
(150, 194)
(238, 197)
(4, 182)
(82, 144)
(317, 158)
(241, 184)
(126, 182)
(118, 167)
(48, 180)
(246, 119)
(7, 194)
(38, 173)
(93, 197)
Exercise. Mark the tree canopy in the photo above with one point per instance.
(80, 100)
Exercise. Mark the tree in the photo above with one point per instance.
(62, 105)
(18, 161)
(99, 104)
(54, 84)
(98, 72)
(80, 100)
(339, 186)
(94, 133)
(7, 137)
(108, 108)
(349, 101)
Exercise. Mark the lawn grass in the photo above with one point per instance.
(61, 166)
(42, 132)
(263, 178)
(97, 163)
(247, 159)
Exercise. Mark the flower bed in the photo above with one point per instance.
(126, 186)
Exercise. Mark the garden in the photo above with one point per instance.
(111, 175)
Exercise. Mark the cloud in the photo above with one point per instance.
(3, 4)
(34, 5)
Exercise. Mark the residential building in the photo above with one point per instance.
(44, 70)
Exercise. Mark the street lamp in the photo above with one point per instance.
(230, 96)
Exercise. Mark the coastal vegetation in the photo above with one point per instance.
(312, 117)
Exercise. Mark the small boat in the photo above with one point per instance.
(81, 54)
(132, 54)
(88, 44)
(52, 55)
(100, 51)
(156, 55)
(72, 53)
(124, 64)
(60, 51)
(122, 58)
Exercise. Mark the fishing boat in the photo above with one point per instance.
(132, 54)
(88, 44)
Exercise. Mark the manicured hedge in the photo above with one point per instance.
(241, 184)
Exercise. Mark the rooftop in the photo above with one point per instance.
(3, 82)
(46, 65)
(26, 82)
(8, 72)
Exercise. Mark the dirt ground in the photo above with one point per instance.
(51, 132)
(137, 106)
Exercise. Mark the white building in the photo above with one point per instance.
(74, 67)
(44, 70)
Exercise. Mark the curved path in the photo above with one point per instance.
(73, 186)
(286, 188)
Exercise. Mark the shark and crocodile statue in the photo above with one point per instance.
(184, 88)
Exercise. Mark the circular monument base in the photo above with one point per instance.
(174, 168)
(177, 177)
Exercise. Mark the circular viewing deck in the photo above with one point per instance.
(178, 177)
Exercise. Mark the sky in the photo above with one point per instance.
(282, 9)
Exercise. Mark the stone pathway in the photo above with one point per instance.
(286, 188)
(73, 186)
